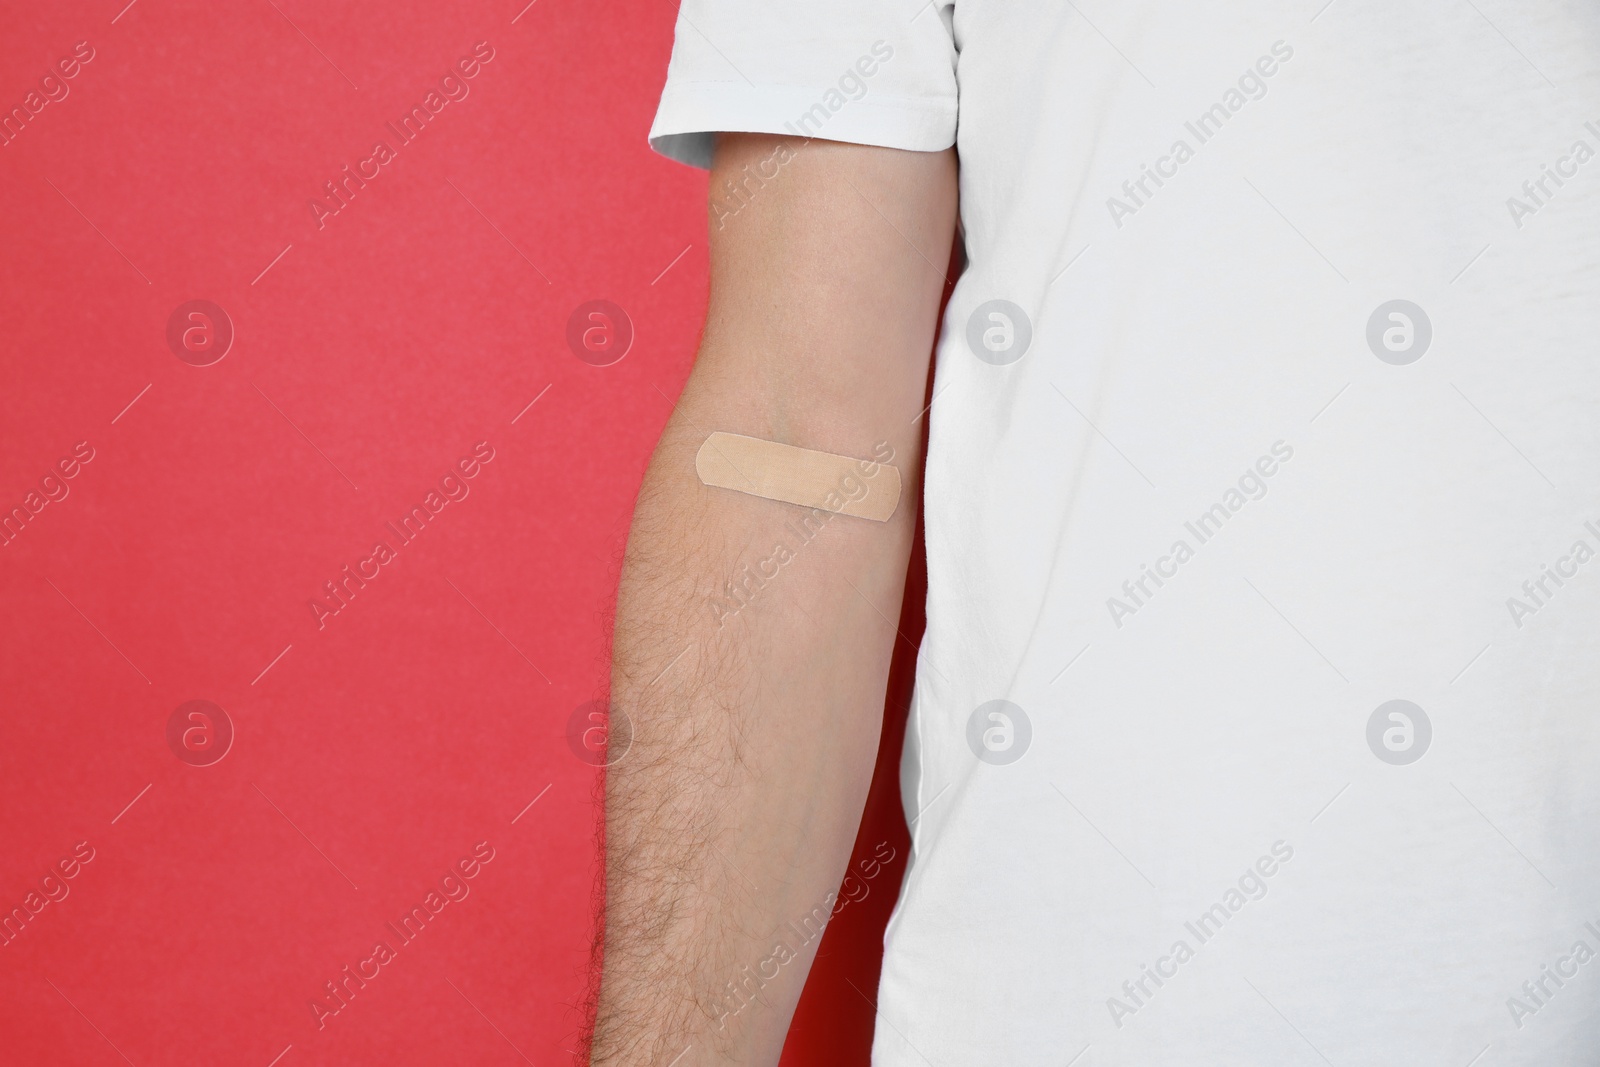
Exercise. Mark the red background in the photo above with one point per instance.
(371, 354)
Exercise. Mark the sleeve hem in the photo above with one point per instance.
(692, 113)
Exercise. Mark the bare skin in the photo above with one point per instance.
(756, 716)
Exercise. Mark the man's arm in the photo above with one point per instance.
(753, 637)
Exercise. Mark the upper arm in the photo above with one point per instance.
(828, 262)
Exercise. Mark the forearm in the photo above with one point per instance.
(734, 811)
(753, 637)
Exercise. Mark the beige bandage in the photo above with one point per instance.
(799, 476)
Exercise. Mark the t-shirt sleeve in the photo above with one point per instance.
(876, 72)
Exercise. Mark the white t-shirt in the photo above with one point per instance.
(1262, 490)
